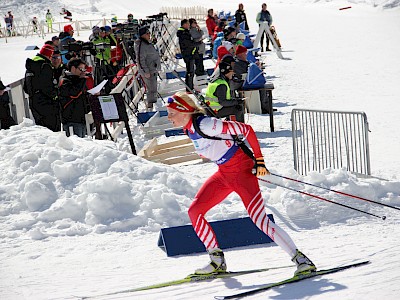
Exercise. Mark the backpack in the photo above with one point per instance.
(31, 83)
(28, 84)
(255, 77)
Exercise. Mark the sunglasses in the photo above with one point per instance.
(82, 69)
(56, 57)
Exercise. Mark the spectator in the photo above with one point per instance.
(188, 50)
(240, 17)
(103, 69)
(217, 43)
(66, 37)
(197, 35)
(131, 20)
(6, 120)
(35, 24)
(41, 90)
(104, 50)
(110, 35)
(67, 14)
(218, 93)
(148, 62)
(210, 23)
(58, 67)
(226, 49)
(56, 43)
(240, 37)
(114, 21)
(219, 28)
(95, 33)
(49, 21)
(240, 68)
(264, 16)
(230, 35)
(9, 20)
(73, 99)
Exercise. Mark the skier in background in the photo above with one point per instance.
(9, 20)
(67, 14)
(49, 21)
(35, 24)
(234, 175)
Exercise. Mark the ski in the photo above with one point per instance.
(290, 280)
(189, 279)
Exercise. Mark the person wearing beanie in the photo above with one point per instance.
(148, 62)
(241, 67)
(47, 51)
(95, 33)
(240, 37)
(230, 35)
(103, 66)
(41, 90)
(66, 37)
(218, 92)
(143, 30)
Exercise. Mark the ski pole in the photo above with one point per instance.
(323, 199)
(338, 192)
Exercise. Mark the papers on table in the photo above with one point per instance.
(98, 88)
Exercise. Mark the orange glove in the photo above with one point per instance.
(261, 169)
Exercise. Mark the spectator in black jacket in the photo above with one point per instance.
(6, 119)
(58, 67)
(73, 99)
(41, 90)
(188, 50)
(240, 16)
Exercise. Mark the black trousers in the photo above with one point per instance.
(189, 61)
(262, 40)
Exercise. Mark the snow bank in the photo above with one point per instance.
(52, 185)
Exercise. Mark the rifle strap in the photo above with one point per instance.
(234, 138)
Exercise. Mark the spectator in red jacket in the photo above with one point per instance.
(210, 22)
(220, 27)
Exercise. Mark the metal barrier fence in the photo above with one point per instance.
(330, 139)
(179, 13)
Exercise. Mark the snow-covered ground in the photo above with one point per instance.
(81, 217)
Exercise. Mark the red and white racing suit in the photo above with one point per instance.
(234, 175)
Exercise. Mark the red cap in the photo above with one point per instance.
(47, 50)
(241, 49)
(68, 28)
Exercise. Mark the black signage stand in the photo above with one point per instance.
(123, 116)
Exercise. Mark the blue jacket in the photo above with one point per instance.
(217, 43)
